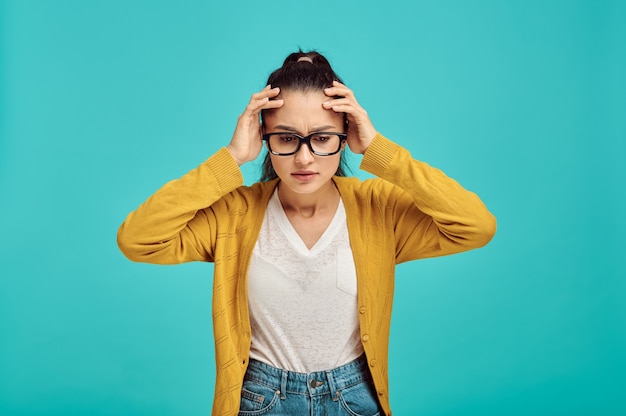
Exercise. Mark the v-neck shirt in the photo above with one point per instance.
(302, 302)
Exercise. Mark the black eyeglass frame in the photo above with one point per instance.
(307, 140)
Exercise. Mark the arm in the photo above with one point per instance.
(176, 225)
(434, 216)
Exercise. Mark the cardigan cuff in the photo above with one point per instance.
(379, 155)
(226, 170)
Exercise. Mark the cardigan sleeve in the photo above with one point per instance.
(176, 224)
(433, 214)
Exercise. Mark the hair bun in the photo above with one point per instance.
(312, 57)
(303, 71)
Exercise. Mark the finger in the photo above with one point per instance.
(255, 105)
(339, 101)
(344, 106)
(259, 101)
(338, 89)
(273, 104)
(348, 109)
(254, 108)
(266, 92)
(338, 84)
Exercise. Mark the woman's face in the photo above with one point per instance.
(302, 113)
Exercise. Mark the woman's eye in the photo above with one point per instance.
(287, 139)
(321, 139)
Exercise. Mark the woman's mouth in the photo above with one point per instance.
(304, 175)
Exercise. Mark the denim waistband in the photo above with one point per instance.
(316, 383)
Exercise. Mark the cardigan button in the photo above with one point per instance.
(373, 363)
(362, 309)
(366, 338)
(381, 392)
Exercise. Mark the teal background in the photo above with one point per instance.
(523, 102)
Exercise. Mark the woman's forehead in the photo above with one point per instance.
(303, 108)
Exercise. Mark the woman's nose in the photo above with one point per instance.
(304, 155)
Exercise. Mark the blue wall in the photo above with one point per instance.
(523, 102)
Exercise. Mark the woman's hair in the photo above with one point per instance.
(301, 72)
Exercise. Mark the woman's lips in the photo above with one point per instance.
(304, 176)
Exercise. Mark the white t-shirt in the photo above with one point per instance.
(303, 305)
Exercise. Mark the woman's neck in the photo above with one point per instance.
(322, 201)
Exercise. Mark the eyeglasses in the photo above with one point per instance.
(320, 144)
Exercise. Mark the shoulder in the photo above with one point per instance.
(248, 197)
(375, 190)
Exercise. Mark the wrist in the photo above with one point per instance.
(368, 139)
(233, 154)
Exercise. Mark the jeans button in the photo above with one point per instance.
(315, 383)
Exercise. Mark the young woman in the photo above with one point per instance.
(305, 258)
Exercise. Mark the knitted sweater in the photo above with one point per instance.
(410, 211)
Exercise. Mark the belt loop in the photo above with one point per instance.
(283, 385)
(334, 393)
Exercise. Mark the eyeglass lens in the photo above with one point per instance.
(290, 143)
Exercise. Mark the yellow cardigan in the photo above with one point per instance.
(410, 211)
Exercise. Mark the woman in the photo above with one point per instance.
(304, 259)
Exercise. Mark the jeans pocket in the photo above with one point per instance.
(360, 400)
(257, 399)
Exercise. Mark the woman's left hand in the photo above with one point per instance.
(361, 131)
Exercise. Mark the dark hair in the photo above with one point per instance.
(313, 73)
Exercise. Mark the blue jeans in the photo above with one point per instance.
(346, 390)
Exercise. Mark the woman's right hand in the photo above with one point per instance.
(246, 142)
